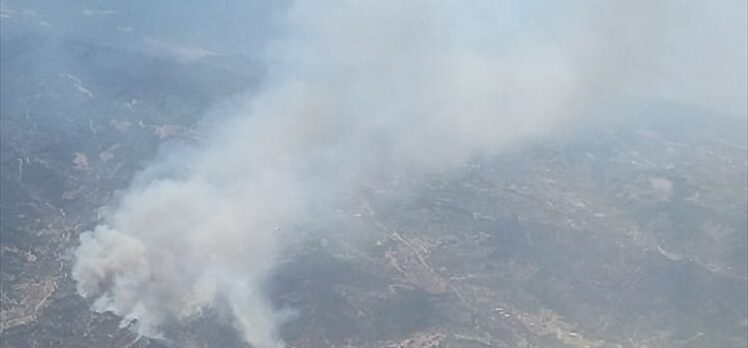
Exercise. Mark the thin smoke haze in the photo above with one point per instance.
(356, 85)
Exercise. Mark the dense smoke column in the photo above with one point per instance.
(354, 85)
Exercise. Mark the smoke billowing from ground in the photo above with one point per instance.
(354, 85)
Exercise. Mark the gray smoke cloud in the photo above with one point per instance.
(356, 85)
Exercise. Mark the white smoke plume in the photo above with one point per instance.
(355, 85)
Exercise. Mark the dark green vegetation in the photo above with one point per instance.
(628, 234)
